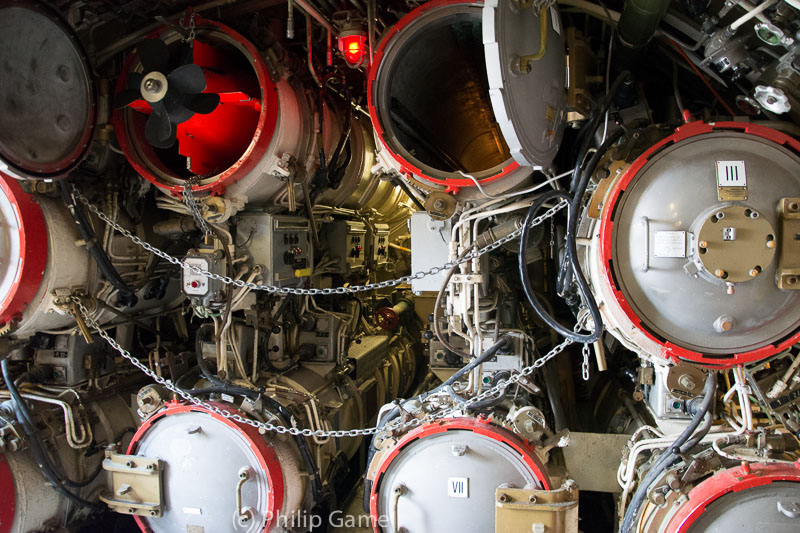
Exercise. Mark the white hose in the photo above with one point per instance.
(736, 24)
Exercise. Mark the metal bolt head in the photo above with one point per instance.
(459, 449)
(504, 498)
(152, 85)
(719, 272)
(130, 464)
(703, 244)
(439, 205)
(771, 244)
(791, 280)
(753, 272)
(790, 509)
(532, 499)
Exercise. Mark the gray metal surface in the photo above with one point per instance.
(530, 107)
(755, 509)
(429, 465)
(430, 246)
(46, 93)
(199, 452)
(673, 190)
(592, 460)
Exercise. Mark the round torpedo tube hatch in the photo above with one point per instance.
(450, 95)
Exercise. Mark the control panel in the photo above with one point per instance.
(380, 244)
(320, 344)
(347, 243)
(280, 243)
(198, 286)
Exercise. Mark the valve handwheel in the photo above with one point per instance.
(387, 318)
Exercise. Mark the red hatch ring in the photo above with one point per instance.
(265, 454)
(32, 250)
(9, 503)
(453, 185)
(481, 426)
(735, 479)
(670, 350)
(267, 120)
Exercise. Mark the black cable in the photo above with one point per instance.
(489, 402)
(39, 454)
(93, 246)
(673, 453)
(592, 125)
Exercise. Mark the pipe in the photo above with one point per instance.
(738, 23)
(310, 10)
(639, 21)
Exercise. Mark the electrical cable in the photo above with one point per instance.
(437, 330)
(673, 453)
(37, 448)
(93, 246)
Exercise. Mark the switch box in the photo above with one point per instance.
(280, 243)
(347, 243)
(380, 244)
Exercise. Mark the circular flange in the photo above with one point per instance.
(405, 48)
(23, 248)
(204, 454)
(47, 97)
(645, 247)
(428, 460)
(146, 160)
(735, 243)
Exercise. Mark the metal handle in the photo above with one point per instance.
(245, 513)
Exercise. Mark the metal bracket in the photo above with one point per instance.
(136, 484)
(551, 511)
(788, 276)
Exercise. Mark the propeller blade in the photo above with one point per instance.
(126, 97)
(159, 130)
(173, 103)
(203, 103)
(154, 55)
(187, 79)
(134, 81)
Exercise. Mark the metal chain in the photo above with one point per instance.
(266, 426)
(313, 292)
(191, 34)
(585, 364)
(188, 199)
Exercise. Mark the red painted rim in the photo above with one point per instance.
(32, 250)
(267, 120)
(9, 504)
(668, 349)
(265, 454)
(453, 185)
(480, 426)
(731, 480)
(60, 169)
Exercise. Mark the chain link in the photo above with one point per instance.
(188, 199)
(354, 289)
(585, 364)
(190, 34)
(267, 426)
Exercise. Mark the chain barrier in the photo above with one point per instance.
(354, 289)
(266, 426)
(319, 433)
(585, 364)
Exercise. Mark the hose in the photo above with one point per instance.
(679, 446)
(93, 246)
(485, 404)
(39, 453)
(437, 330)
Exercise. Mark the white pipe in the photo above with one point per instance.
(736, 24)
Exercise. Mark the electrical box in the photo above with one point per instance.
(280, 243)
(203, 290)
(430, 247)
(347, 240)
(321, 344)
(380, 244)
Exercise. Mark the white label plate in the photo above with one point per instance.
(731, 174)
(669, 244)
(458, 487)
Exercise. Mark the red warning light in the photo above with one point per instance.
(353, 47)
